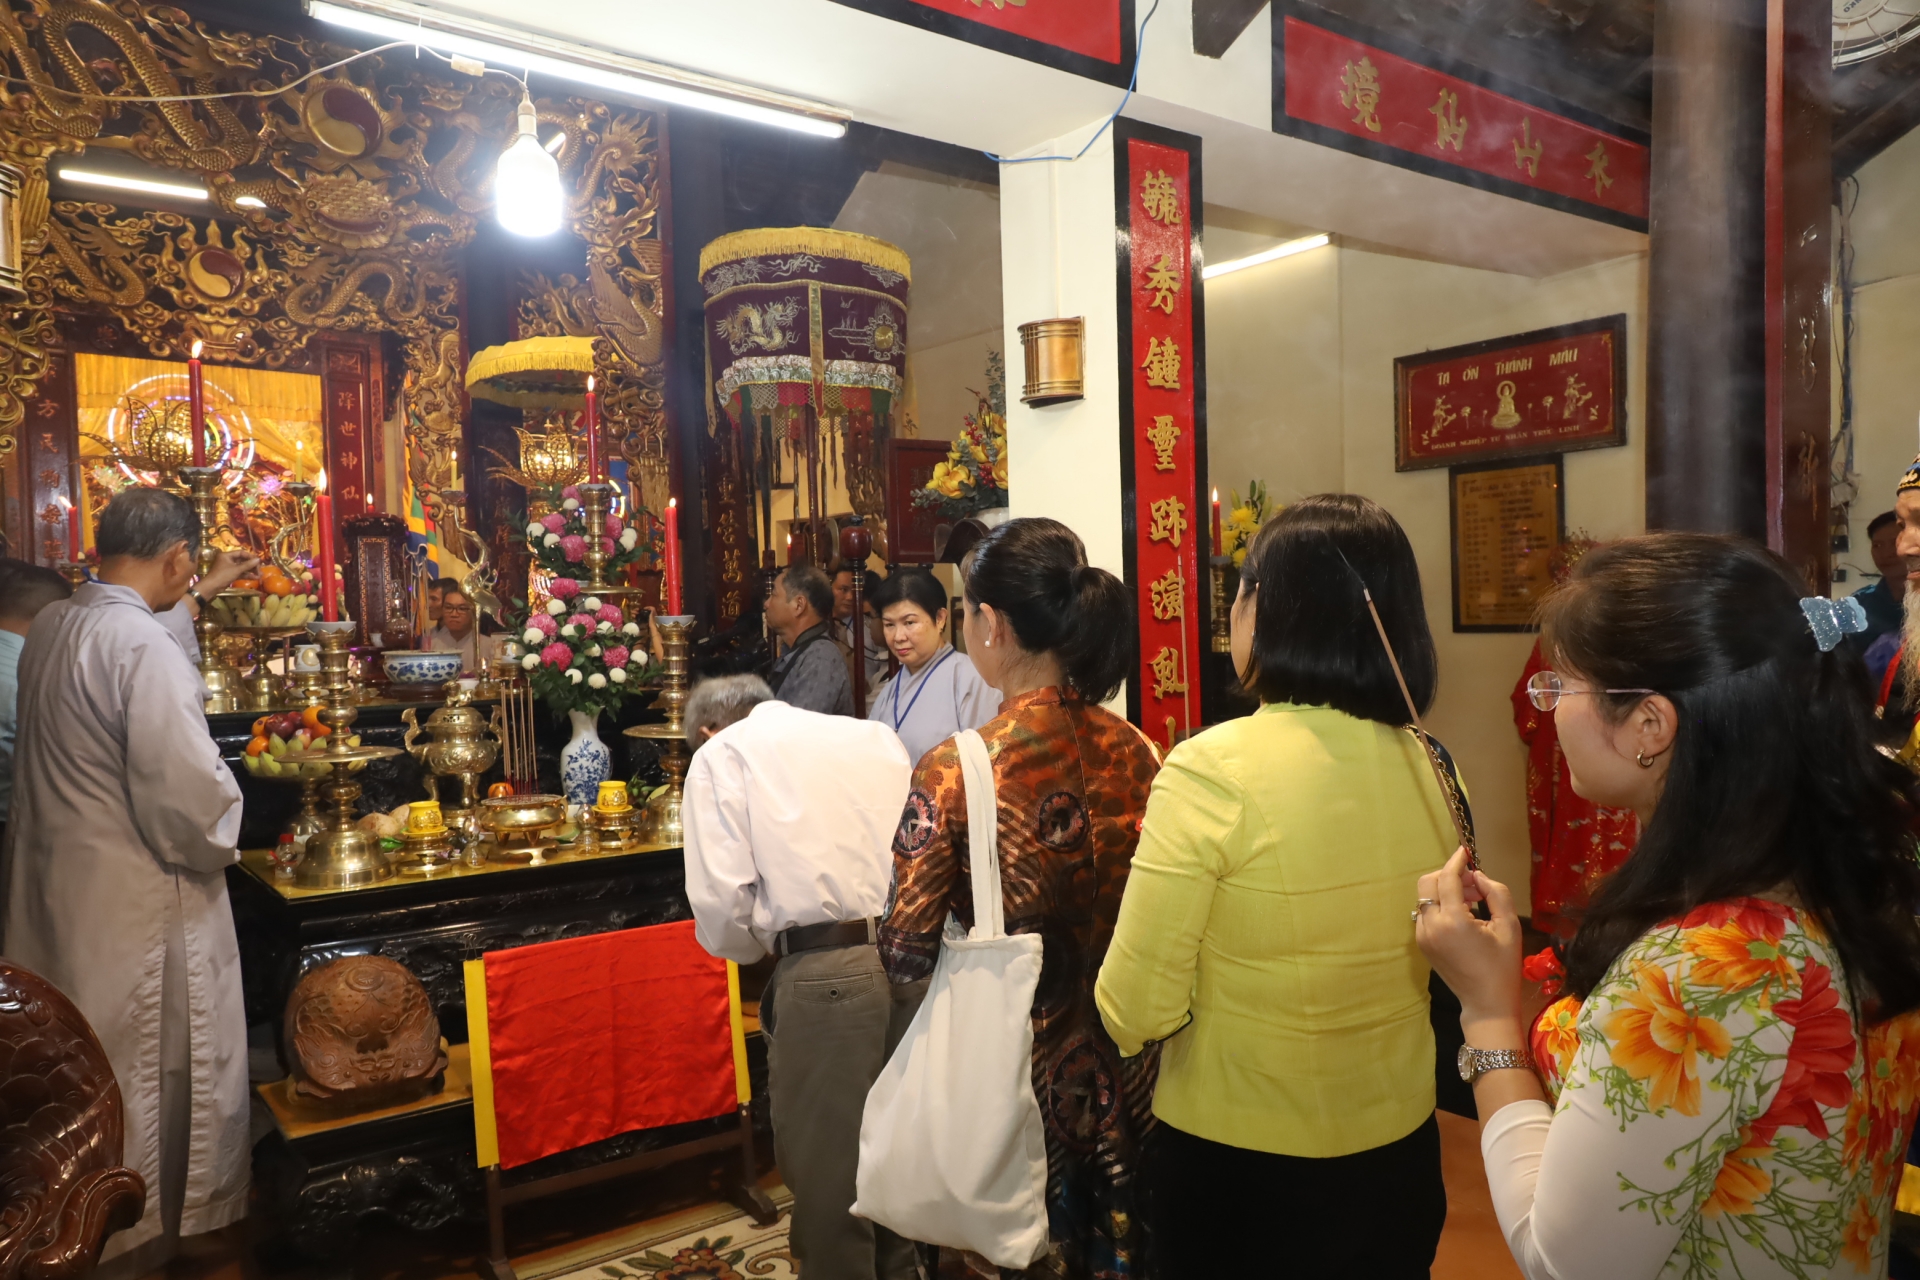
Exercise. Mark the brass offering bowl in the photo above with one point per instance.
(522, 826)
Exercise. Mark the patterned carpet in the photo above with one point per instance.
(714, 1242)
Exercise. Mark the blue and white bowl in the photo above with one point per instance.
(413, 666)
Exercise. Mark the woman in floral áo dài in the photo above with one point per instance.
(1730, 1082)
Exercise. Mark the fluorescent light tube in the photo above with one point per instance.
(1274, 254)
(513, 50)
(91, 178)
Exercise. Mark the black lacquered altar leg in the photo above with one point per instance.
(496, 1265)
(746, 1192)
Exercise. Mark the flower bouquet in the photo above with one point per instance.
(559, 538)
(974, 476)
(1237, 530)
(582, 653)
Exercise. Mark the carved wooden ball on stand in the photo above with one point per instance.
(360, 1032)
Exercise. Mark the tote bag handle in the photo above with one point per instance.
(983, 836)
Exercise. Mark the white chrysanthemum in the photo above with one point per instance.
(629, 538)
(536, 530)
(531, 661)
(596, 681)
(574, 676)
(557, 607)
(570, 504)
(569, 631)
(534, 635)
(593, 651)
(550, 540)
(590, 605)
(632, 629)
(605, 628)
(618, 675)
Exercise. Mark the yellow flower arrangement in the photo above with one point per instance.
(1243, 521)
(974, 476)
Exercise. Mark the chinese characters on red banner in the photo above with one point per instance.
(1168, 527)
(1367, 93)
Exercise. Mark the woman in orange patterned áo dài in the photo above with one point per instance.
(1055, 636)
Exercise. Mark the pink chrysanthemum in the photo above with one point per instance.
(556, 655)
(574, 548)
(544, 624)
(571, 491)
(553, 522)
(617, 656)
(614, 526)
(608, 546)
(610, 613)
(563, 588)
(582, 621)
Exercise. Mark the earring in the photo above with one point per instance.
(1640, 757)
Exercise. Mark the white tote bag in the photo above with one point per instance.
(952, 1151)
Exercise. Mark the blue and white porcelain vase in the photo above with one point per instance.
(585, 761)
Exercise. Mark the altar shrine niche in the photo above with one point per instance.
(806, 362)
(332, 243)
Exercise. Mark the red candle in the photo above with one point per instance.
(323, 549)
(73, 533)
(673, 557)
(593, 432)
(1216, 524)
(197, 407)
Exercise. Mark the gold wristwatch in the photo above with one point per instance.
(1475, 1063)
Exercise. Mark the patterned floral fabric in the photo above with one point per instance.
(1071, 782)
(1752, 1110)
(1575, 842)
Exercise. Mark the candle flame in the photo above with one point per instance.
(589, 384)
(320, 481)
(66, 503)
(1216, 495)
(675, 502)
(197, 344)
(369, 499)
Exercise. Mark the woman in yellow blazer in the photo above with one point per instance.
(1265, 932)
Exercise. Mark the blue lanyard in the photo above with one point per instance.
(899, 717)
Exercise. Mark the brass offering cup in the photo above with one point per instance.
(522, 826)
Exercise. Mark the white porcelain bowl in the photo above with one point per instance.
(412, 666)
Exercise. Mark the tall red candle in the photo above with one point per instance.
(73, 533)
(323, 549)
(593, 433)
(197, 407)
(673, 557)
(1216, 524)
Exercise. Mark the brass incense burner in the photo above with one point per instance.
(522, 826)
(340, 856)
(463, 745)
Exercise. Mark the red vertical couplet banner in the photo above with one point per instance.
(1165, 370)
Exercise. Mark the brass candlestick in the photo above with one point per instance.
(1219, 569)
(221, 679)
(74, 572)
(663, 810)
(341, 856)
(595, 501)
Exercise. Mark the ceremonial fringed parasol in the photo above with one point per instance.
(533, 373)
(806, 350)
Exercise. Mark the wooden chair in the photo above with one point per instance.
(63, 1190)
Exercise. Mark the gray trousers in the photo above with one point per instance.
(825, 1016)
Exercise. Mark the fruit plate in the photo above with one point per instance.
(264, 633)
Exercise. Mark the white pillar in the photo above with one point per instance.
(1057, 260)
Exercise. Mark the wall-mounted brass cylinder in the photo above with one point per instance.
(1056, 353)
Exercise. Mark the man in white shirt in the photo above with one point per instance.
(790, 817)
(457, 632)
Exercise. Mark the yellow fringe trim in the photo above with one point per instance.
(555, 357)
(766, 242)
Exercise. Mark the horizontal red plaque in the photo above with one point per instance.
(1092, 38)
(1380, 98)
(1549, 391)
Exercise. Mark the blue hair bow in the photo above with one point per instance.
(1832, 619)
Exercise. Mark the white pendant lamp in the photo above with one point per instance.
(527, 186)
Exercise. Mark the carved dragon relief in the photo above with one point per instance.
(360, 189)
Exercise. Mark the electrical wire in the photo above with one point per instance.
(1139, 55)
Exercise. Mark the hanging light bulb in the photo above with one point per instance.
(527, 185)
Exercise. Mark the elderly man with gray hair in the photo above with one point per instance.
(123, 825)
(790, 818)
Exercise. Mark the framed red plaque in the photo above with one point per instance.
(1548, 391)
(1092, 38)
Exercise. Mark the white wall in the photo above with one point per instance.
(1300, 394)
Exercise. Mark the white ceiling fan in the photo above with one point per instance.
(1865, 29)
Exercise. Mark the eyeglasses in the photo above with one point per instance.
(1546, 688)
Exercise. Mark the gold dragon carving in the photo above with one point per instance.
(341, 204)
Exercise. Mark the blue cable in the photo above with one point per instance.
(1139, 52)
